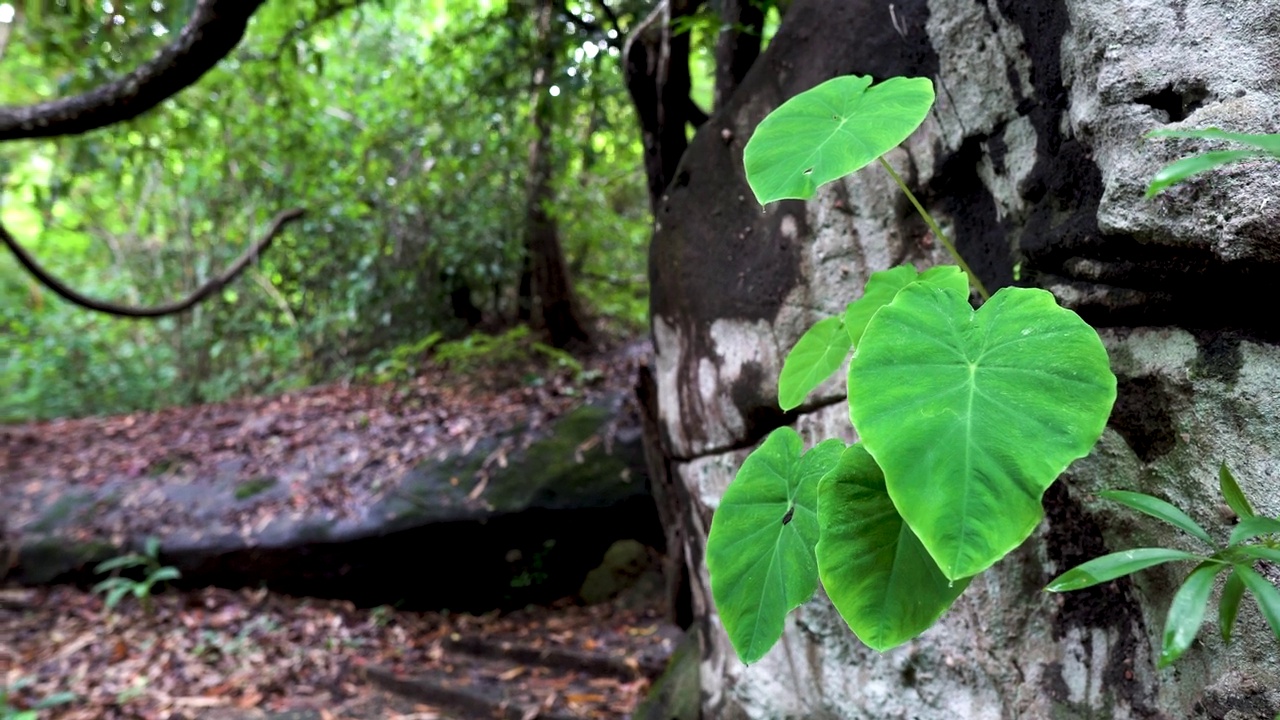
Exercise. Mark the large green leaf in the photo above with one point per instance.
(831, 130)
(817, 354)
(881, 579)
(1119, 564)
(1186, 612)
(760, 547)
(972, 415)
(1159, 509)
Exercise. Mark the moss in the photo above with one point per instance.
(256, 486)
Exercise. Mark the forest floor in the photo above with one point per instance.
(218, 653)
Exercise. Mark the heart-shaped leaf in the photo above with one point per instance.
(972, 415)
(831, 130)
(817, 354)
(883, 286)
(877, 574)
(760, 546)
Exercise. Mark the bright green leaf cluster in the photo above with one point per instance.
(1187, 610)
(965, 416)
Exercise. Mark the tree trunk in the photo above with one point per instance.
(547, 298)
(1033, 158)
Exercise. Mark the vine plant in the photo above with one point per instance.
(965, 416)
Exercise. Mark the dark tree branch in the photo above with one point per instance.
(738, 45)
(204, 291)
(215, 28)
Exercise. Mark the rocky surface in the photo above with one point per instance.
(1033, 158)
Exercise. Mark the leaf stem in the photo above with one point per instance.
(937, 231)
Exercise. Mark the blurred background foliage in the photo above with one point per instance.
(401, 126)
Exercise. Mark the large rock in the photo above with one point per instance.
(1033, 158)
(542, 519)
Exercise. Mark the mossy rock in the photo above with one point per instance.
(677, 694)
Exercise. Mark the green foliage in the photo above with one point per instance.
(1261, 146)
(8, 711)
(1190, 602)
(760, 550)
(483, 352)
(403, 129)
(830, 131)
(965, 416)
(117, 586)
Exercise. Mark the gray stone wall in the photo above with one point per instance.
(1033, 160)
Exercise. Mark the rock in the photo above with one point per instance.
(677, 693)
(1033, 157)
(534, 528)
(627, 565)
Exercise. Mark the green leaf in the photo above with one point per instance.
(1229, 605)
(116, 563)
(760, 547)
(1268, 142)
(1119, 564)
(165, 573)
(1179, 170)
(1159, 509)
(1265, 593)
(1252, 527)
(1260, 552)
(831, 130)
(1232, 493)
(972, 414)
(1186, 612)
(874, 569)
(116, 593)
(880, 290)
(950, 276)
(816, 356)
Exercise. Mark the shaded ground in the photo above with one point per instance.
(217, 653)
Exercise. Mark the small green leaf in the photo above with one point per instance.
(1159, 509)
(116, 593)
(1252, 527)
(164, 574)
(1179, 170)
(877, 574)
(760, 546)
(1232, 493)
(1119, 564)
(1265, 593)
(151, 547)
(880, 290)
(973, 414)
(1186, 612)
(1229, 605)
(816, 356)
(116, 563)
(831, 130)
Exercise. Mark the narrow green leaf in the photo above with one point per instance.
(1110, 567)
(1259, 552)
(116, 563)
(151, 547)
(761, 543)
(1159, 509)
(1229, 605)
(1252, 527)
(116, 594)
(1232, 493)
(882, 580)
(1179, 170)
(1186, 612)
(816, 356)
(1265, 593)
(164, 574)
(831, 130)
(1269, 142)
